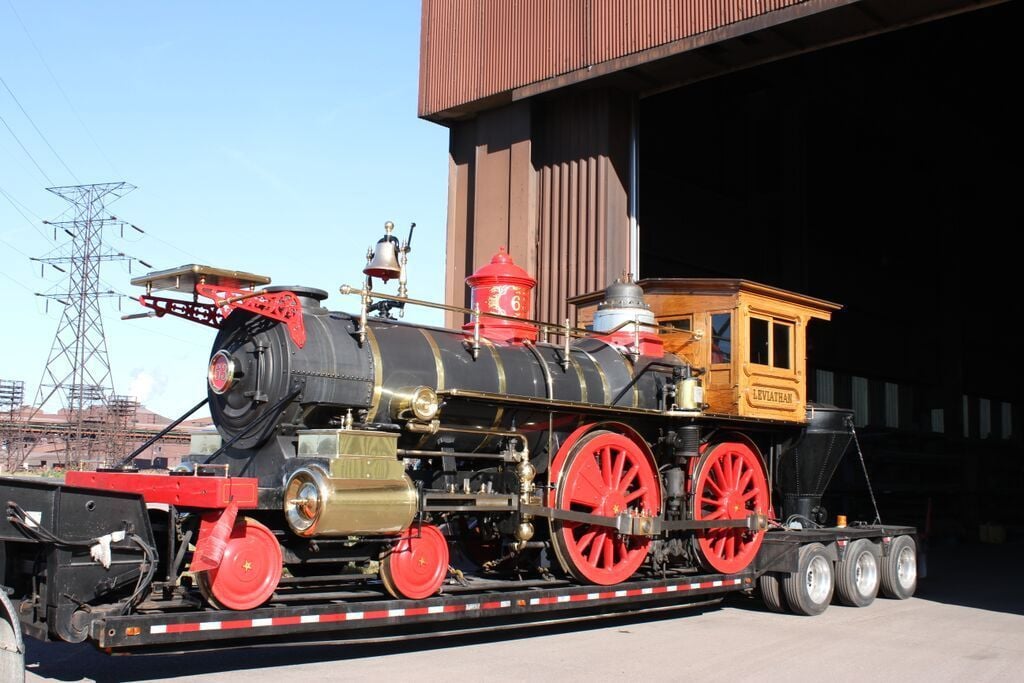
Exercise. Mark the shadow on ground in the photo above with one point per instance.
(979, 575)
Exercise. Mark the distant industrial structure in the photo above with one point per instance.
(32, 439)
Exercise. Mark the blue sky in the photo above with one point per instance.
(269, 137)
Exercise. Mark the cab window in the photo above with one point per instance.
(771, 342)
(721, 338)
(685, 324)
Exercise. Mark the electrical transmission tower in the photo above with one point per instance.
(78, 367)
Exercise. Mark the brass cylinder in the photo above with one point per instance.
(690, 394)
(317, 504)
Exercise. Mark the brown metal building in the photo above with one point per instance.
(863, 151)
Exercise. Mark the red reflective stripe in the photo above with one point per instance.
(227, 625)
(326, 618)
(451, 609)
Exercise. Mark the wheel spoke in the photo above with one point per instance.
(585, 540)
(628, 479)
(620, 464)
(606, 466)
(723, 540)
(596, 549)
(624, 552)
(714, 485)
(750, 496)
(730, 481)
(717, 474)
(745, 480)
(609, 552)
(636, 494)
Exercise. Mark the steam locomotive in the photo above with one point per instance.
(663, 435)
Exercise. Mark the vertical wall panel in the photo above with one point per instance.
(580, 145)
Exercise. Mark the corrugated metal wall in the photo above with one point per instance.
(472, 49)
(549, 181)
(581, 160)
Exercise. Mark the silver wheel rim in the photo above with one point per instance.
(866, 573)
(819, 579)
(906, 567)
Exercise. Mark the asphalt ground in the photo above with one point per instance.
(965, 623)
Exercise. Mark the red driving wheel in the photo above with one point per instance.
(249, 571)
(729, 483)
(604, 474)
(415, 567)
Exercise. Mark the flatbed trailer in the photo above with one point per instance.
(472, 604)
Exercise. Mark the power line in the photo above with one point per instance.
(64, 94)
(25, 150)
(14, 248)
(12, 201)
(165, 242)
(21, 204)
(17, 283)
(17, 102)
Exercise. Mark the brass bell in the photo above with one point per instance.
(382, 261)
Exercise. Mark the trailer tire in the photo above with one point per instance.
(809, 589)
(899, 569)
(771, 593)
(12, 646)
(857, 574)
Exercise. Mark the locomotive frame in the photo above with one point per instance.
(373, 458)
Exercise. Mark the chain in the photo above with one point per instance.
(860, 454)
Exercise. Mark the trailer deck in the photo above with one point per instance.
(302, 616)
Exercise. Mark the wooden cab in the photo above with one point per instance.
(749, 338)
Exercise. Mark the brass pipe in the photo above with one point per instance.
(546, 328)
(240, 297)
(523, 454)
(416, 453)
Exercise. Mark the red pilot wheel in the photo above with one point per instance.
(729, 483)
(415, 567)
(605, 474)
(249, 572)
